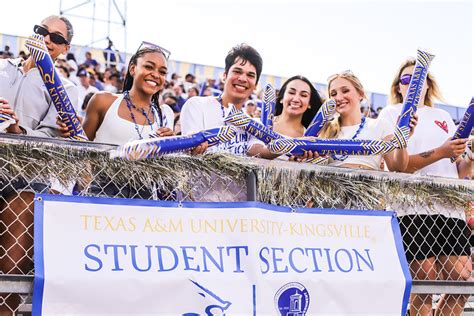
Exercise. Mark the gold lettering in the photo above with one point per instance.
(148, 226)
(176, 227)
(85, 221)
(295, 229)
(243, 225)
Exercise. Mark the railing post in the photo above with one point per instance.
(251, 186)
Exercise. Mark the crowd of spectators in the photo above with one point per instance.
(147, 94)
(91, 76)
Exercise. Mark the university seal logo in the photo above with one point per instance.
(292, 299)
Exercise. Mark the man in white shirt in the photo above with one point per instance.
(243, 66)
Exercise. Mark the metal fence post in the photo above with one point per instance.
(251, 186)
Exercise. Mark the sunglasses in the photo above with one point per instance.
(405, 79)
(149, 45)
(55, 37)
(345, 73)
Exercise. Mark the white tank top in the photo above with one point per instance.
(116, 130)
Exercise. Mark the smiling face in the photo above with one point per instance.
(55, 25)
(240, 81)
(296, 98)
(149, 74)
(346, 96)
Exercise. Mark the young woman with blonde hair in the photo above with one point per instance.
(436, 243)
(347, 90)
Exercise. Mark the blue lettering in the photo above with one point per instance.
(336, 257)
(367, 261)
(264, 260)
(315, 262)
(237, 256)
(94, 258)
(291, 260)
(134, 258)
(206, 254)
(160, 258)
(187, 258)
(116, 259)
(329, 260)
(276, 260)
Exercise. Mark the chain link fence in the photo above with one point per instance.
(30, 165)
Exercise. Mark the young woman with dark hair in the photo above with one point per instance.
(134, 114)
(296, 105)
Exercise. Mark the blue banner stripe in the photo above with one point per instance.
(38, 285)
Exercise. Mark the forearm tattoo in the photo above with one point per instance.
(427, 154)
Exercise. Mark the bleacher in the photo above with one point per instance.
(203, 72)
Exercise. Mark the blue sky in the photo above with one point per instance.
(313, 38)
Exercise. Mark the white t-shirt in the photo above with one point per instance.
(434, 127)
(201, 113)
(374, 129)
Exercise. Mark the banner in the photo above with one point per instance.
(98, 256)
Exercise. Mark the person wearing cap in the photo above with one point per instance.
(243, 66)
(84, 86)
(22, 88)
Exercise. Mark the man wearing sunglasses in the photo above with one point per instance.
(22, 89)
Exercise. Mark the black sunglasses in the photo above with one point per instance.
(55, 37)
(149, 45)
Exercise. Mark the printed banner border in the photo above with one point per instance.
(38, 286)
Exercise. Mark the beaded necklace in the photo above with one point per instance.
(130, 105)
(219, 99)
(344, 157)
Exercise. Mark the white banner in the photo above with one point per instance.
(99, 256)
